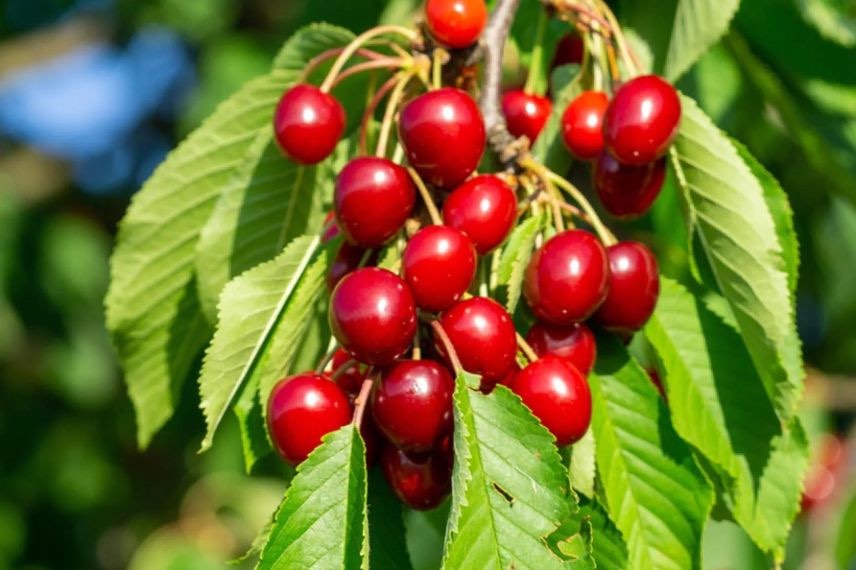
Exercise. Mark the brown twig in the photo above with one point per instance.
(362, 400)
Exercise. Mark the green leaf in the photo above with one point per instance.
(388, 547)
(515, 257)
(608, 546)
(727, 209)
(549, 148)
(510, 489)
(582, 466)
(251, 424)
(652, 488)
(322, 521)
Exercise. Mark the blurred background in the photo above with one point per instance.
(94, 93)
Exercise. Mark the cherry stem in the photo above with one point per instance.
(389, 114)
(362, 400)
(343, 369)
(386, 63)
(328, 357)
(447, 344)
(535, 79)
(335, 52)
(437, 69)
(436, 219)
(524, 346)
(416, 354)
(371, 108)
(626, 53)
(356, 44)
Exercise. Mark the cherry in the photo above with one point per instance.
(484, 208)
(373, 316)
(456, 23)
(582, 124)
(628, 191)
(347, 260)
(420, 483)
(569, 50)
(351, 379)
(525, 113)
(443, 136)
(488, 384)
(642, 120)
(558, 395)
(301, 410)
(308, 123)
(634, 286)
(373, 198)
(371, 438)
(567, 279)
(412, 404)
(439, 264)
(575, 343)
(483, 336)
(331, 230)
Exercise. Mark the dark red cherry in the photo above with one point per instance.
(412, 404)
(331, 230)
(525, 113)
(567, 278)
(482, 333)
(634, 286)
(569, 50)
(443, 136)
(301, 410)
(373, 315)
(642, 120)
(484, 208)
(350, 378)
(373, 198)
(347, 259)
(488, 384)
(456, 23)
(575, 343)
(371, 438)
(582, 124)
(421, 483)
(439, 264)
(308, 123)
(628, 191)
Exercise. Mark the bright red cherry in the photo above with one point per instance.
(412, 404)
(582, 124)
(558, 395)
(570, 49)
(373, 198)
(575, 343)
(567, 279)
(301, 410)
(484, 208)
(483, 335)
(456, 23)
(628, 191)
(308, 123)
(347, 259)
(642, 120)
(634, 286)
(373, 315)
(439, 264)
(443, 136)
(351, 378)
(525, 113)
(420, 484)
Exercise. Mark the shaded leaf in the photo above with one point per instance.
(515, 257)
(386, 539)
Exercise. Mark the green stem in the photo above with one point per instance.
(535, 81)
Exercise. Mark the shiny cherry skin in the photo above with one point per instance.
(628, 191)
(483, 336)
(456, 23)
(484, 208)
(350, 380)
(308, 124)
(569, 50)
(301, 410)
(642, 120)
(634, 286)
(582, 125)
(412, 404)
(420, 483)
(373, 197)
(438, 264)
(373, 316)
(558, 395)
(567, 278)
(443, 136)
(525, 113)
(575, 343)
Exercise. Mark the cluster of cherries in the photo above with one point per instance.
(402, 334)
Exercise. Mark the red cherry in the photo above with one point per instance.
(482, 333)
(351, 379)
(642, 120)
(331, 230)
(456, 23)
(525, 113)
(582, 124)
(567, 279)
(443, 135)
(575, 343)
(421, 484)
(569, 50)
(634, 286)
(412, 404)
(488, 384)
(301, 410)
(484, 208)
(558, 395)
(347, 260)
(373, 315)
(439, 264)
(308, 123)
(628, 191)
(373, 198)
